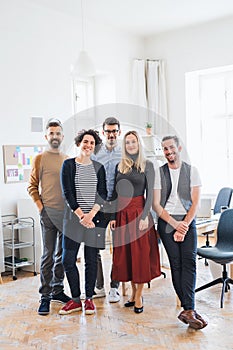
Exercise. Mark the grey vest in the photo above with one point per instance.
(184, 188)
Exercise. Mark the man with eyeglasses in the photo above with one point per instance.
(109, 155)
(45, 189)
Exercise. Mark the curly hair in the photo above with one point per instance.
(98, 141)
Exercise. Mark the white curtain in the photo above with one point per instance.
(149, 90)
(139, 83)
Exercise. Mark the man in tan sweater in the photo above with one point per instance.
(45, 189)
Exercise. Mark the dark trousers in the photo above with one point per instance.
(51, 268)
(182, 258)
(100, 275)
(69, 258)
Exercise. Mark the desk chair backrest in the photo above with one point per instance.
(225, 231)
(223, 199)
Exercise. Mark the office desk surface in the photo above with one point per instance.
(207, 226)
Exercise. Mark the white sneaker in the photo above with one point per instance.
(83, 296)
(99, 293)
(114, 295)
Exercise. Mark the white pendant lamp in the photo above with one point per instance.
(83, 67)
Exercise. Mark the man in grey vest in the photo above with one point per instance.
(176, 199)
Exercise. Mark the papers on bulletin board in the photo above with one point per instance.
(18, 161)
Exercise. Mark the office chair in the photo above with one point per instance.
(221, 253)
(223, 199)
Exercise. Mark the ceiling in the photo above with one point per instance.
(144, 17)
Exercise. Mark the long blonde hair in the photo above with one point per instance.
(126, 163)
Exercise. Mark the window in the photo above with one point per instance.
(209, 102)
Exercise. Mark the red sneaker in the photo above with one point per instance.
(70, 307)
(89, 307)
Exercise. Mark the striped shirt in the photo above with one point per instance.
(85, 186)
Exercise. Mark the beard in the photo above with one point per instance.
(112, 141)
(173, 160)
(55, 144)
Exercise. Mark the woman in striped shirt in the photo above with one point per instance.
(84, 188)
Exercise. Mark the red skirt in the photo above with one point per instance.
(135, 253)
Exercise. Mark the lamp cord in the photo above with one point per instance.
(83, 46)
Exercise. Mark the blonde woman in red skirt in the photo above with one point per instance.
(135, 250)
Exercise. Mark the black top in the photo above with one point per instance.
(135, 184)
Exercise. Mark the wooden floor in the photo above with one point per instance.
(113, 326)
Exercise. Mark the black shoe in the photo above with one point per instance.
(129, 303)
(61, 298)
(44, 307)
(138, 310)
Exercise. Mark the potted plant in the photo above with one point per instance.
(149, 128)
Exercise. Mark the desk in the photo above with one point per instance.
(203, 228)
(208, 228)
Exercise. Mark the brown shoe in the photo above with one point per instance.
(189, 317)
(204, 322)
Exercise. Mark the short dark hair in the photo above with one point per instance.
(111, 121)
(174, 137)
(98, 141)
(53, 122)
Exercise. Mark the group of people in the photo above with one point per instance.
(109, 185)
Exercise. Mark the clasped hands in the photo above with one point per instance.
(86, 220)
(143, 224)
(181, 230)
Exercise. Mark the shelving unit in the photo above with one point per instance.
(2, 265)
(14, 229)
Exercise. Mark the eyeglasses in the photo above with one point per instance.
(111, 131)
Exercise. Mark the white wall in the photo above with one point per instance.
(38, 46)
(199, 47)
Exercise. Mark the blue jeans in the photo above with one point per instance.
(51, 268)
(182, 258)
(69, 259)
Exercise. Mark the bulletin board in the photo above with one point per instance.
(18, 161)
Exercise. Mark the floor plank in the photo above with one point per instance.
(113, 326)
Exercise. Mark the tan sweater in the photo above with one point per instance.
(44, 181)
